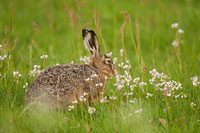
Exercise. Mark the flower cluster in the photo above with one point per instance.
(16, 74)
(35, 71)
(161, 82)
(92, 77)
(74, 102)
(103, 100)
(175, 43)
(99, 84)
(44, 57)
(109, 54)
(3, 57)
(126, 65)
(25, 86)
(83, 98)
(149, 95)
(175, 25)
(138, 111)
(195, 81)
(85, 60)
(193, 105)
(121, 52)
(114, 60)
(112, 97)
(123, 79)
(132, 101)
(71, 107)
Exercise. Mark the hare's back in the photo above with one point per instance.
(64, 80)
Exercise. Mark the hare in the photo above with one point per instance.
(62, 84)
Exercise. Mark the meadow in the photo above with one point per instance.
(155, 45)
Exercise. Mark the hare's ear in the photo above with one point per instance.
(91, 42)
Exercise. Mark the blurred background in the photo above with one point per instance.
(53, 27)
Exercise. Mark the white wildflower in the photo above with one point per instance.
(137, 111)
(149, 95)
(16, 74)
(175, 43)
(106, 77)
(0, 46)
(82, 99)
(35, 71)
(71, 107)
(168, 94)
(85, 59)
(74, 102)
(132, 87)
(44, 56)
(109, 54)
(176, 96)
(142, 84)
(85, 94)
(130, 93)
(132, 101)
(136, 80)
(88, 79)
(91, 110)
(193, 105)
(114, 60)
(122, 52)
(99, 85)
(195, 81)
(94, 75)
(180, 31)
(112, 97)
(175, 25)
(25, 86)
(103, 100)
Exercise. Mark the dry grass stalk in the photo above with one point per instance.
(87, 25)
(137, 34)
(35, 27)
(98, 27)
(183, 118)
(127, 18)
(79, 4)
(6, 29)
(97, 22)
(50, 22)
(73, 17)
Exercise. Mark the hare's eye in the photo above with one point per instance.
(109, 61)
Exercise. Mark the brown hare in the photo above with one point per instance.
(62, 84)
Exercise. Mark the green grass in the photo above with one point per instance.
(58, 36)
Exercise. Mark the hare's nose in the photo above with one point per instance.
(84, 32)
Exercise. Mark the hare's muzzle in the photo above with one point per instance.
(84, 33)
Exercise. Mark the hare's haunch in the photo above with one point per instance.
(63, 84)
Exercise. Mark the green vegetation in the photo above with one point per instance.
(143, 28)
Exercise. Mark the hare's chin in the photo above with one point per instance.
(114, 73)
